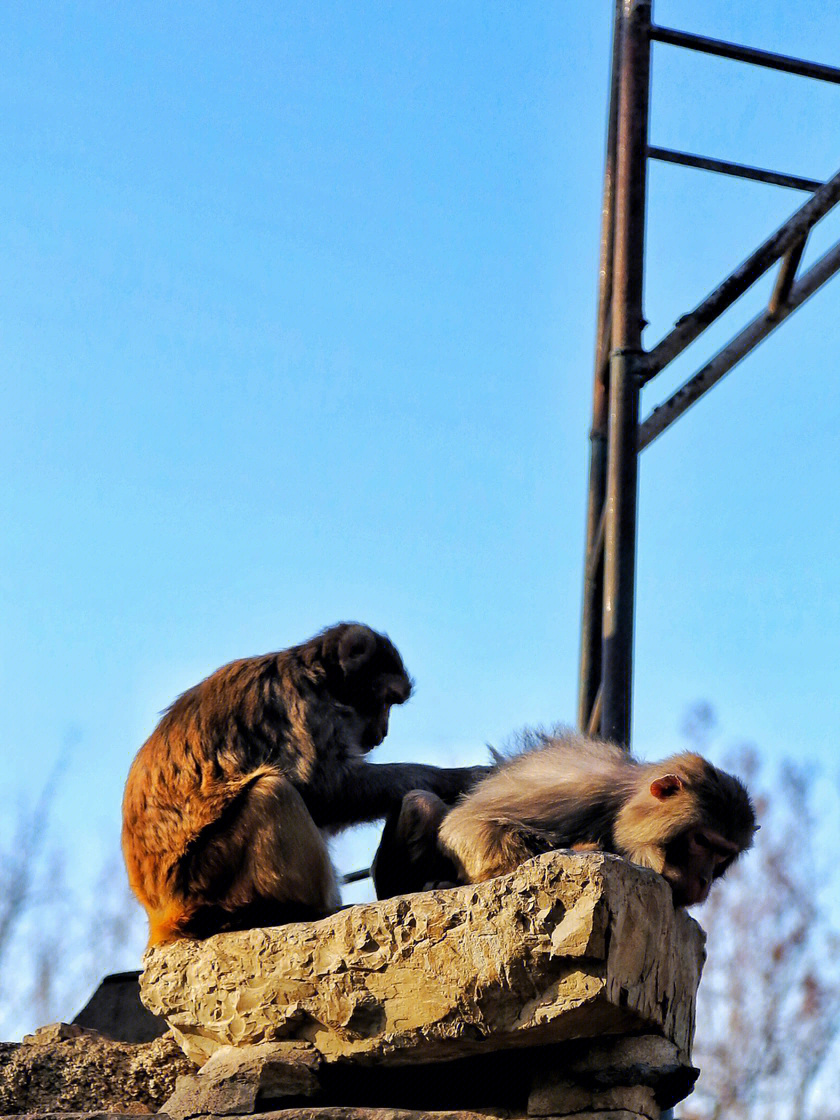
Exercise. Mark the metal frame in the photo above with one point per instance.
(623, 366)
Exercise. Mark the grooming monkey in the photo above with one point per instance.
(228, 803)
(683, 817)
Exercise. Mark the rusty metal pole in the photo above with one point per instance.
(627, 362)
(593, 567)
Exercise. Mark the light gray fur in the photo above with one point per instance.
(570, 791)
(555, 791)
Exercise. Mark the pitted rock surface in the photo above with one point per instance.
(568, 946)
(64, 1068)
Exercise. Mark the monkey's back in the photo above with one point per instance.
(246, 720)
(533, 785)
(560, 792)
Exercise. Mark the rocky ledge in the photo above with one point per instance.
(568, 947)
(565, 990)
(63, 1068)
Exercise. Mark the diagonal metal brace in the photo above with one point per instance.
(692, 325)
(763, 325)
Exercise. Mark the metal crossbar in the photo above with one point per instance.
(745, 54)
(739, 170)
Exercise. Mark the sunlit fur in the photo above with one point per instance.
(228, 802)
(572, 791)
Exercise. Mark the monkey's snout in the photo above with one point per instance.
(694, 892)
(373, 738)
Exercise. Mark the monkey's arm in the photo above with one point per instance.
(369, 791)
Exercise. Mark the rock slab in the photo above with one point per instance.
(568, 946)
(65, 1068)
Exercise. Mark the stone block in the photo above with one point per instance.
(63, 1068)
(568, 946)
(563, 1098)
(238, 1080)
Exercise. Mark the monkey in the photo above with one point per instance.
(229, 802)
(683, 817)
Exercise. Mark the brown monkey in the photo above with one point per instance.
(683, 817)
(228, 803)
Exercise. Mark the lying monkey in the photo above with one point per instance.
(683, 817)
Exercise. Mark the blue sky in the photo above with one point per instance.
(297, 326)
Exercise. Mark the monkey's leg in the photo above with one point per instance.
(263, 862)
(481, 846)
(408, 858)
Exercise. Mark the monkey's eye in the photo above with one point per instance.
(719, 851)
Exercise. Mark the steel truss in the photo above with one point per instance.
(623, 366)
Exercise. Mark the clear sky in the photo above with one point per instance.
(297, 324)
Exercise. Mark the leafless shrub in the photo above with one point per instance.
(59, 934)
(768, 1017)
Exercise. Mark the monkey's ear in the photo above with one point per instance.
(355, 648)
(666, 786)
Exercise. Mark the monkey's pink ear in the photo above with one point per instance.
(356, 647)
(666, 786)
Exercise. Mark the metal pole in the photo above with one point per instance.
(626, 363)
(593, 569)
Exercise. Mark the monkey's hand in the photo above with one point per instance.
(408, 858)
(450, 783)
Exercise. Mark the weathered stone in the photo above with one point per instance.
(568, 946)
(325, 1113)
(238, 1080)
(617, 1114)
(335, 1112)
(600, 1064)
(72, 1116)
(56, 1032)
(563, 1098)
(194, 1097)
(634, 1059)
(65, 1068)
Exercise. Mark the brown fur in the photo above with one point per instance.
(574, 792)
(228, 803)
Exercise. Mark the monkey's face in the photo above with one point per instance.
(705, 819)
(377, 709)
(366, 673)
(693, 860)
